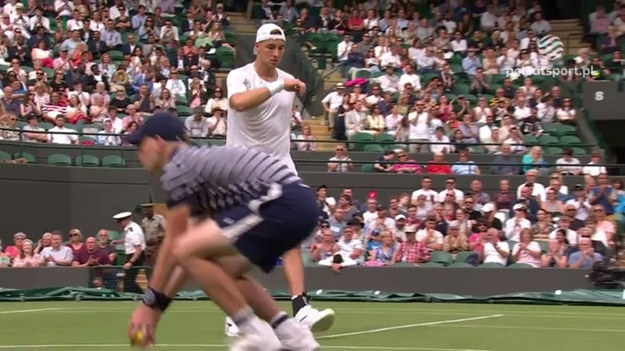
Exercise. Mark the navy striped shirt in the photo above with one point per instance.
(210, 179)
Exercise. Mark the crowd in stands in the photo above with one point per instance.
(72, 67)
(102, 251)
(538, 225)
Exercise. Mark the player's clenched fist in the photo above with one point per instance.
(295, 85)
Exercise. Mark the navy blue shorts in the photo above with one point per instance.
(265, 228)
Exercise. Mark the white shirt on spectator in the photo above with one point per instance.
(419, 128)
(333, 99)
(389, 59)
(430, 196)
(388, 83)
(435, 238)
(342, 50)
(440, 144)
(458, 46)
(413, 79)
(525, 257)
(538, 191)
(491, 255)
(512, 228)
(571, 235)
(347, 248)
(593, 170)
(62, 135)
(392, 122)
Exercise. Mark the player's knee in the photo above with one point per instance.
(181, 251)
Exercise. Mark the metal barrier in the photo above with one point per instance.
(133, 280)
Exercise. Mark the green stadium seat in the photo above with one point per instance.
(113, 161)
(184, 110)
(121, 258)
(442, 257)
(25, 155)
(530, 139)
(511, 244)
(45, 125)
(362, 139)
(520, 265)
(59, 160)
(491, 265)
(225, 56)
(578, 151)
(461, 88)
(384, 138)
(544, 245)
(5, 156)
(460, 265)
(570, 140)
(432, 265)
(373, 148)
(455, 67)
(362, 73)
(87, 161)
(85, 139)
(462, 256)
(367, 168)
(550, 128)
(497, 79)
(553, 151)
(217, 142)
(404, 264)
(307, 259)
(563, 129)
(548, 140)
(477, 150)
(116, 55)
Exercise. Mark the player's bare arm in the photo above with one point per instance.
(252, 98)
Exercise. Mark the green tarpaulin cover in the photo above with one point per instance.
(583, 297)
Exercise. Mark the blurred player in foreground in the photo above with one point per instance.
(261, 97)
(247, 208)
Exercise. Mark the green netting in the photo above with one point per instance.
(573, 297)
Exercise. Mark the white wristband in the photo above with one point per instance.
(275, 87)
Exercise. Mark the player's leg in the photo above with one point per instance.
(292, 335)
(304, 313)
(194, 251)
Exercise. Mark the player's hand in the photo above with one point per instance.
(144, 319)
(295, 85)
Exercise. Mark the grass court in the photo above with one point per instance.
(198, 325)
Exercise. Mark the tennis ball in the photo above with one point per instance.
(138, 339)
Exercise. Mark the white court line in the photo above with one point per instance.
(534, 328)
(31, 310)
(379, 348)
(379, 330)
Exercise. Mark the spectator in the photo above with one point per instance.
(438, 165)
(538, 190)
(516, 224)
(384, 163)
(471, 63)
(332, 102)
(586, 256)
(57, 254)
(527, 251)
(566, 113)
(343, 48)
(14, 250)
(603, 196)
(340, 162)
(454, 241)
(544, 225)
(389, 82)
(439, 142)
(567, 164)
(104, 244)
(375, 121)
(59, 134)
(406, 165)
(533, 159)
(604, 222)
(45, 241)
(429, 236)
(465, 166)
(385, 255)
(217, 123)
(197, 125)
(479, 85)
(134, 248)
(355, 120)
(93, 255)
(412, 250)
(350, 248)
(75, 242)
(564, 223)
(592, 168)
(494, 250)
(325, 247)
(306, 141)
(578, 206)
(27, 257)
(552, 204)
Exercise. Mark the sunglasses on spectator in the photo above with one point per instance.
(325, 226)
(73, 234)
(340, 149)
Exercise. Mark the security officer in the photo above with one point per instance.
(134, 247)
(154, 228)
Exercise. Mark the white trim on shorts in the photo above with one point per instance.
(238, 228)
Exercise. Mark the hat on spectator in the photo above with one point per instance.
(122, 215)
(489, 207)
(163, 124)
(519, 207)
(147, 205)
(372, 195)
(340, 86)
(264, 33)
(454, 224)
(400, 216)
(410, 229)
(19, 5)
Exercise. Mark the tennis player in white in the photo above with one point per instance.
(259, 117)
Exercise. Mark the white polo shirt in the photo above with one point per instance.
(267, 127)
(492, 256)
(133, 236)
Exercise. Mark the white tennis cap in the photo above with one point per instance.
(264, 33)
(122, 215)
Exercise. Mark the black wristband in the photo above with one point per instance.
(155, 299)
